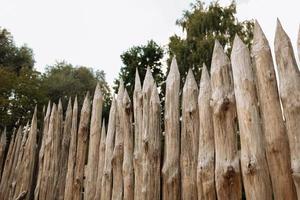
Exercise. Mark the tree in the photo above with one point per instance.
(203, 25)
(63, 80)
(141, 57)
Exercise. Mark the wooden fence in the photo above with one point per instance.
(235, 131)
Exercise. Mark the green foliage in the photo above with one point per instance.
(13, 57)
(202, 26)
(141, 57)
(62, 81)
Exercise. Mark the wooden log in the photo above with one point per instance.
(68, 194)
(170, 170)
(3, 144)
(106, 187)
(277, 146)
(117, 160)
(206, 154)
(227, 168)
(101, 161)
(151, 145)
(128, 176)
(189, 138)
(42, 151)
(138, 116)
(81, 151)
(28, 163)
(65, 151)
(289, 89)
(93, 152)
(253, 161)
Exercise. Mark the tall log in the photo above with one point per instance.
(253, 161)
(106, 187)
(152, 146)
(138, 116)
(42, 151)
(128, 177)
(117, 160)
(101, 161)
(81, 151)
(289, 87)
(68, 195)
(65, 151)
(227, 172)
(189, 138)
(206, 155)
(277, 146)
(93, 152)
(29, 160)
(170, 170)
(3, 143)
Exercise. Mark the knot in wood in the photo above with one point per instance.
(251, 167)
(230, 172)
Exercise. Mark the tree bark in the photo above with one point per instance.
(118, 153)
(206, 155)
(81, 151)
(93, 153)
(68, 194)
(106, 188)
(227, 172)
(128, 177)
(253, 161)
(171, 171)
(277, 146)
(101, 161)
(189, 139)
(138, 116)
(289, 87)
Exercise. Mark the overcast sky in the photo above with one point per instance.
(94, 33)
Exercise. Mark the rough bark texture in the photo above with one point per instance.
(206, 155)
(151, 143)
(189, 138)
(138, 115)
(253, 161)
(81, 151)
(93, 153)
(106, 188)
(128, 177)
(65, 151)
(277, 146)
(117, 160)
(42, 152)
(101, 161)
(227, 172)
(289, 87)
(170, 170)
(2, 150)
(68, 194)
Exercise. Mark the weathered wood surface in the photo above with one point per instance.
(206, 155)
(253, 161)
(128, 174)
(93, 152)
(138, 115)
(277, 146)
(68, 194)
(171, 166)
(289, 89)
(3, 144)
(81, 151)
(189, 138)
(298, 44)
(118, 153)
(151, 147)
(101, 161)
(106, 188)
(227, 169)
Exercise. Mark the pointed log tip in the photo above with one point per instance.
(205, 74)
(238, 45)
(148, 81)
(98, 92)
(174, 67)
(154, 95)
(126, 96)
(260, 41)
(137, 83)
(281, 37)
(190, 80)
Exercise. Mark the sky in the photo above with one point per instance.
(94, 33)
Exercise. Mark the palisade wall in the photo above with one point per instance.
(197, 157)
